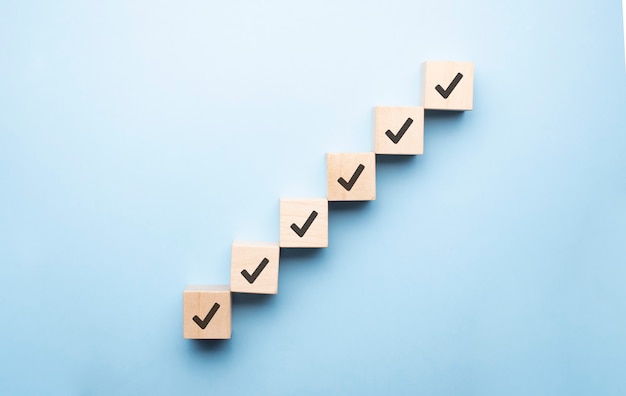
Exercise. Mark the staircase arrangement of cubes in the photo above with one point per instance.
(303, 223)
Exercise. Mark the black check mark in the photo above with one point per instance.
(204, 323)
(445, 93)
(257, 271)
(349, 184)
(305, 227)
(396, 138)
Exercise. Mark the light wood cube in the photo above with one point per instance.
(399, 130)
(207, 312)
(448, 85)
(303, 223)
(254, 267)
(351, 176)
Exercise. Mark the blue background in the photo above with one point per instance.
(138, 139)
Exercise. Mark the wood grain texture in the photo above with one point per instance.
(351, 176)
(259, 261)
(298, 212)
(390, 134)
(443, 74)
(198, 302)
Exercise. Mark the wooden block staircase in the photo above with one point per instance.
(304, 222)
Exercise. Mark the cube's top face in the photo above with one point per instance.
(351, 176)
(245, 251)
(255, 244)
(207, 288)
(302, 201)
(248, 254)
(448, 85)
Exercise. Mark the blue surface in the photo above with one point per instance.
(138, 139)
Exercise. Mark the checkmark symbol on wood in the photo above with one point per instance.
(257, 271)
(349, 184)
(395, 138)
(446, 92)
(305, 227)
(203, 323)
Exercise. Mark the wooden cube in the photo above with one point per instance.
(254, 267)
(399, 130)
(207, 312)
(351, 176)
(448, 85)
(303, 223)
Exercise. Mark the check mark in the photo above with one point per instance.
(203, 323)
(396, 138)
(257, 271)
(305, 227)
(349, 184)
(445, 93)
